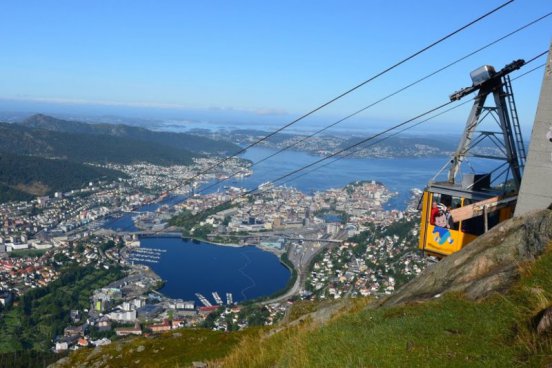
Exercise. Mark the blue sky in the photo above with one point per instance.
(265, 60)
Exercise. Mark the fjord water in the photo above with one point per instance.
(190, 267)
(397, 174)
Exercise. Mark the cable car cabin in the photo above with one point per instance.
(453, 216)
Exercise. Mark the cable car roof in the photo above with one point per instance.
(456, 190)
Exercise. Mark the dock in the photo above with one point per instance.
(217, 298)
(147, 255)
(203, 300)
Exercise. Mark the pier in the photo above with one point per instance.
(148, 255)
(203, 300)
(217, 298)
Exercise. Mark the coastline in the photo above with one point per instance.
(274, 251)
(232, 245)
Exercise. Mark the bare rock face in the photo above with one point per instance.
(543, 321)
(488, 264)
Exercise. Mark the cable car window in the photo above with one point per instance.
(474, 226)
(446, 200)
(456, 202)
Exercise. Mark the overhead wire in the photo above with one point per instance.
(360, 143)
(376, 142)
(529, 71)
(257, 189)
(320, 107)
(368, 139)
(416, 124)
(402, 89)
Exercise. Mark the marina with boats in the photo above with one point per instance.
(153, 256)
(147, 255)
(184, 268)
(216, 297)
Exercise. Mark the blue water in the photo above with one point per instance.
(125, 222)
(398, 175)
(196, 267)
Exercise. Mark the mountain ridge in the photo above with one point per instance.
(79, 147)
(180, 141)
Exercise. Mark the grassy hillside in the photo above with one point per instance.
(448, 331)
(24, 177)
(174, 349)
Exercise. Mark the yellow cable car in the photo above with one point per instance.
(455, 213)
(452, 217)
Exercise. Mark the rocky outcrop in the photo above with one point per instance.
(542, 323)
(488, 264)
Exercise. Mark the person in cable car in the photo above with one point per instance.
(434, 213)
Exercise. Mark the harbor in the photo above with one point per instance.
(203, 300)
(216, 297)
(208, 273)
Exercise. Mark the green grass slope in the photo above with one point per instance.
(446, 332)
(178, 348)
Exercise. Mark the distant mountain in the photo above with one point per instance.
(80, 147)
(180, 141)
(324, 144)
(43, 154)
(24, 177)
(441, 144)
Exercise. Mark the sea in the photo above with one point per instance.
(189, 267)
(248, 272)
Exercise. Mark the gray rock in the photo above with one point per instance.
(544, 325)
(59, 363)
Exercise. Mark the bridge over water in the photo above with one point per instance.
(161, 234)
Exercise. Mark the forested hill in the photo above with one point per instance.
(24, 177)
(44, 154)
(179, 141)
(81, 147)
